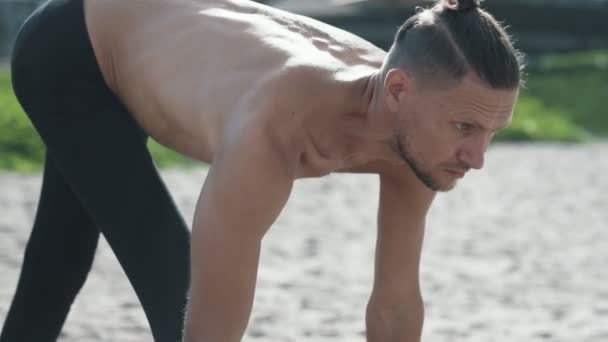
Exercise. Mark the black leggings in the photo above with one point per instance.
(98, 177)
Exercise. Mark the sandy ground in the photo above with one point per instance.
(517, 252)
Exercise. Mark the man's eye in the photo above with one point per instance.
(464, 127)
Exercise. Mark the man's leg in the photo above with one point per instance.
(58, 257)
(99, 151)
(98, 148)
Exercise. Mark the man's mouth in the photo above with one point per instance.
(456, 172)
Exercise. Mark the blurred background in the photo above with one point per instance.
(566, 42)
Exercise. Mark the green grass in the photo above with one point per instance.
(564, 100)
(535, 121)
(164, 157)
(597, 60)
(20, 147)
(580, 92)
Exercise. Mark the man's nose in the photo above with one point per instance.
(474, 153)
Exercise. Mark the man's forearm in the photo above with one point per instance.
(394, 323)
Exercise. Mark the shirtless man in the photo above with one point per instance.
(266, 97)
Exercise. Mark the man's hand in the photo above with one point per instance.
(245, 190)
(395, 311)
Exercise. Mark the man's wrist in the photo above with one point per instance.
(394, 323)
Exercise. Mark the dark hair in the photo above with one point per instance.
(455, 37)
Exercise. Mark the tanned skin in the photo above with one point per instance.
(267, 97)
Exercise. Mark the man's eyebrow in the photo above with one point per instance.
(478, 124)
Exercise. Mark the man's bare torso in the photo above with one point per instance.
(267, 97)
(190, 70)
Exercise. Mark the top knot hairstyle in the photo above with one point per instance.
(462, 5)
(453, 38)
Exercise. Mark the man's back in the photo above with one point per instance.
(184, 66)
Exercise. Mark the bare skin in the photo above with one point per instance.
(267, 97)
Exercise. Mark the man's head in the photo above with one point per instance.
(451, 78)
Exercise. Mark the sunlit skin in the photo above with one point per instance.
(443, 130)
(267, 97)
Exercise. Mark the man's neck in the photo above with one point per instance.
(368, 126)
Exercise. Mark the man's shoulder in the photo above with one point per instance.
(296, 86)
(303, 71)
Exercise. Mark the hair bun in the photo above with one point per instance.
(461, 5)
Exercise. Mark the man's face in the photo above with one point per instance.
(444, 131)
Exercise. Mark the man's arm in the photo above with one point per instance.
(245, 190)
(395, 311)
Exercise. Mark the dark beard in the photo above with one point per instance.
(424, 177)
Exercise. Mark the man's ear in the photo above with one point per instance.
(397, 84)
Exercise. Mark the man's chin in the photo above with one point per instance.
(447, 184)
(439, 185)
(439, 181)
(447, 187)
(447, 181)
